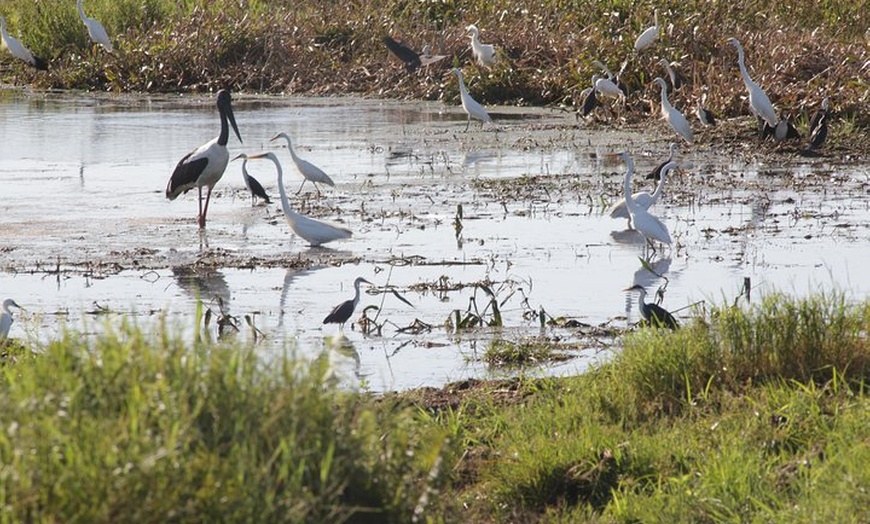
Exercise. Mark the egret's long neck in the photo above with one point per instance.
(292, 151)
(224, 137)
(661, 185)
(741, 62)
(285, 202)
(462, 85)
(81, 10)
(666, 104)
(626, 182)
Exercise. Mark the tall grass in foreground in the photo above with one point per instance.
(136, 428)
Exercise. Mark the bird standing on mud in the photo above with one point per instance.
(342, 312)
(654, 314)
(758, 100)
(674, 117)
(205, 165)
(253, 185)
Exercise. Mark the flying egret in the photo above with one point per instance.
(610, 76)
(205, 165)
(342, 312)
(255, 187)
(484, 53)
(758, 100)
(315, 232)
(470, 105)
(309, 171)
(18, 50)
(642, 220)
(6, 318)
(408, 56)
(96, 30)
(674, 117)
(619, 209)
(649, 36)
(675, 77)
(654, 314)
(656, 173)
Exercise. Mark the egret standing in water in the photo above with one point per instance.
(674, 117)
(643, 199)
(654, 314)
(96, 30)
(205, 165)
(315, 232)
(470, 105)
(758, 100)
(255, 187)
(649, 36)
(342, 312)
(18, 50)
(6, 318)
(309, 172)
(484, 53)
(642, 220)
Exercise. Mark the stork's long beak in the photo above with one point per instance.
(232, 119)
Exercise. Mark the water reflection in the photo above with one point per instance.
(201, 283)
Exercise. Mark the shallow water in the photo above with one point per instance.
(82, 191)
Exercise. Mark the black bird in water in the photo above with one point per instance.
(343, 311)
(656, 174)
(255, 187)
(655, 315)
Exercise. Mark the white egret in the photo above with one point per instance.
(674, 117)
(309, 172)
(613, 78)
(18, 50)
(675, 77)
(6, 318)
(470, 105)
(484, 53)
(654, 314)
(657, 171)
(645, 200)
(342, 312)
(253, 185)
(205, 165)
(96, 30)
(758, 100)
(315, 232)
(642, 220)
(607, 87)
(649, 36)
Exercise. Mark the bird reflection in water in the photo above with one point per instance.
(209, 285)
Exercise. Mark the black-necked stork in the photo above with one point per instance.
(253, 185)
(342, 312)
(18, 50)
(96, 30)
(654, 314)
(205, 165)
(309, 171)
(316, 232)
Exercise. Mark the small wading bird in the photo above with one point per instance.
(590, 101)
(818, 135)
(674, 117)
(252, 184)
(6, 318)
(315, 232)
(642, 220)
(96, 30)
(655, 174)
(472, 108)
(758, 100)
(342, 312)
(653, 314)
(205, 165)
(18, 50)
(817, 117)
(309, 172)
(705, 116)
(619, 209)
(649, 36)
(484, 53)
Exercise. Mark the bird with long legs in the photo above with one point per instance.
(673, 116)
(6, 318)
(309, 172)
(471, 106)
(649, 35)
(253, 185)
(483, 53)
(655, 315)
(205, 165)
(18, 50)
(656, 173)
(644, 199)
(96, 30)
(342, 312)
(315, 232)
(651, 228)
(758, 99)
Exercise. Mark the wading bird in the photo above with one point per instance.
(96, 30)
(675, 77)
(655, 174)
(255, 187)
(758, 100)
(607, 87)
(619, 209)
(819, 134)
(309, 172)
(6, 318)
(18, 50)
(590, 101)
(816, 119)
(642, 220)
(675, 118)
(484, 53)
(649, 36)
(205, 165)
(314, 231)
(472, 108)
(705, 116)
(613, 78)
(654, 314)
(342, 312)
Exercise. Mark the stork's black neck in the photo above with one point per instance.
(224, 137)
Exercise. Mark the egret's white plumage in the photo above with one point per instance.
(758, 100)
(309, 171)
(643, 221)
(649, 36)
(644, 199)
(613, 77)
(6, 318)
(470, 105)
(607, 87)
(675, 118)
(96, 30)
(484, 53)
(18, 50)
(315, 232)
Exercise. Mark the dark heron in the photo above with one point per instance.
(653, 314)
(820, 133)
(816, 119)
(656, 173)
(205, 165)
(343, 311)
(590, 101)
(255, 187)
(6, 318)
(18, 50)
(705, 116)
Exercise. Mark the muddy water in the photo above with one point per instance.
(86, 233)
